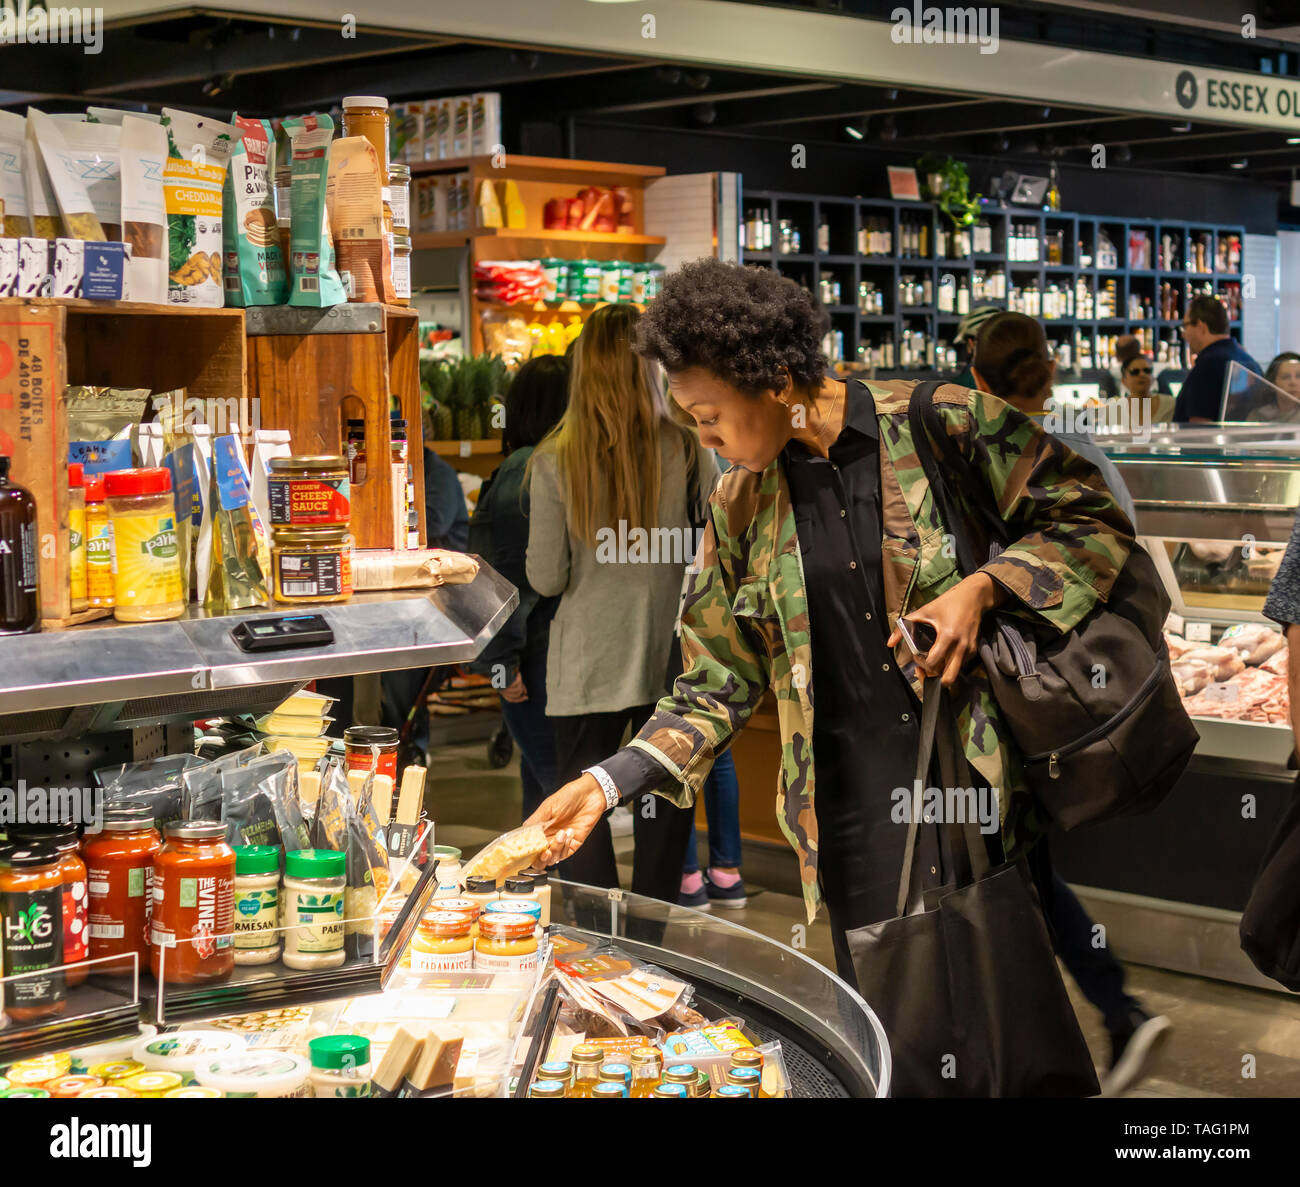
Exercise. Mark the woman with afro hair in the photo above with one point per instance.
(821, 535)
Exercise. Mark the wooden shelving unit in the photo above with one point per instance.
(539, 179)
(930, 324)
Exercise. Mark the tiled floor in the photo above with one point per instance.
(1228, 1040)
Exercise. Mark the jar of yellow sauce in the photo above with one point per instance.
(443, 944)
(77, 537)
(99, 545)
(311, 564)
(146, 558)
(506, 943)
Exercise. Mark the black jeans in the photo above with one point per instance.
(661, 828)
(1095, 969)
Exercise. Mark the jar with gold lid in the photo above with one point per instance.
(311, 564)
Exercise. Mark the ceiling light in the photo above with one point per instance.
(856, 133)
(1238, 164)
(1186, 126)
(1293, 139)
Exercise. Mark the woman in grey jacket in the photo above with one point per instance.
(611, 530)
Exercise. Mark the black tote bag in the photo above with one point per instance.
(1270, 924)
(967, 986)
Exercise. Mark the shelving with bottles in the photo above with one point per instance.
(896, 276)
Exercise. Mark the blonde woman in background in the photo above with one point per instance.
(615, 491)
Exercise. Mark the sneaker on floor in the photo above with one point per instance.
(698, 899)
(620, 822)
(731, 897)
(1134, 1050)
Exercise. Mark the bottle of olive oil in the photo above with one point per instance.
(20, 603)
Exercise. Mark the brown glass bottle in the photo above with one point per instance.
(20, 603)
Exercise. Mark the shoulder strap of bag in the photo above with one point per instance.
(951, 761)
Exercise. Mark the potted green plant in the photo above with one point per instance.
(946, 183)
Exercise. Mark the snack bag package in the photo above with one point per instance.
(13, 194)
(64, 173)
(142, 147)
(254, 271)
(198, 150)
(42, 206)
(236, 578)
(315, 281)
(96, 152)
(354, 200)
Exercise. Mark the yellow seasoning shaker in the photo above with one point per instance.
(146, 560)
(99, 544)
(77, 536)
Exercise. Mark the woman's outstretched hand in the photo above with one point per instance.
(955, 617)
(568, 817)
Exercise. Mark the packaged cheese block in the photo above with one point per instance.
(436, 1065)
(508, 854)
(403, 1052)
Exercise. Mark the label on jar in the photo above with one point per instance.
(146, 560)
(402, 274)
(314, 574)
(111, 889)
(99, 563)
(319, 916)
(442, 962)
(201, 914)
(255, 918)
(33, 944)
(502, 964)
(76, 921)
(309, 500)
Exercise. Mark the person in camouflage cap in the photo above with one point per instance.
(741, 348)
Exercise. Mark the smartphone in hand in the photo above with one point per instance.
(919, 636)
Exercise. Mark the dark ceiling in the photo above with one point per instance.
(212, 62)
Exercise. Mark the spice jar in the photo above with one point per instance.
(309, 491)
(401, 251)
(76, 913)
(119, 878)
(358, 741)
(311, 564)
(31, 924)
(506, 943)
(77, 537)
(340, 1065)
(367, 115)
(443, 943)
(312, 908)
(99, 545)
(399, 195)
(257, 904)
(193, 901)
(449, 871)
(356, 451)
(541, 892)
(146, 560)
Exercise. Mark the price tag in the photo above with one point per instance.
(1197, 632)
(465, 449)
(1174, 623)
(1220, 694)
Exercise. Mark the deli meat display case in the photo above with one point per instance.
(1215, 508)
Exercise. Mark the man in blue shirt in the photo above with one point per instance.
(1205, 327)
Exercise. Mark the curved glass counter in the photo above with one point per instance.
(834, 1045)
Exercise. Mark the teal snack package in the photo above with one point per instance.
(314, 278)
(253, 266)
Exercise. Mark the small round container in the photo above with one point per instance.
(556, 1069)
(542, 893)
(685, 1074)
(309, 491)
(66, 1087)
(313, 908)
(20, 1093)
(546, 1090)
(152, 1083)
(84, 1058)
(358, 744)
(750, 1079)
(674, 1091)
(399, 196)
(257, 1074)
(606, 1090)
(516, 906)
(117, 1069)
(703, 1084)
(507, 943)
(108, 1092)
(443, 943)
(257, 904)
(311, 564)
(181, 1052)
(618, 1073)
(727, 1091)
(193, 1092)
(340, 1065)
(38, 1073)
(401, 253)
(482, 891)
(449, 871)
(146, 556)
(367, 115)
(747, 1057)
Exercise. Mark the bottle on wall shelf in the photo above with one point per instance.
(20, 603)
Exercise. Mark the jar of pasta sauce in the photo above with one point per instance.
(193, 904)
(76, 916)
(358, 741)
(119, 871)
(31, 923)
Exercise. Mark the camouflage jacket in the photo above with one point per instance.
(745, 623)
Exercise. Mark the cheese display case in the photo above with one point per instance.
(1215, 507)
(615, 989)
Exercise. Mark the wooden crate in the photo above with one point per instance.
(312, 370)
(45, 345)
